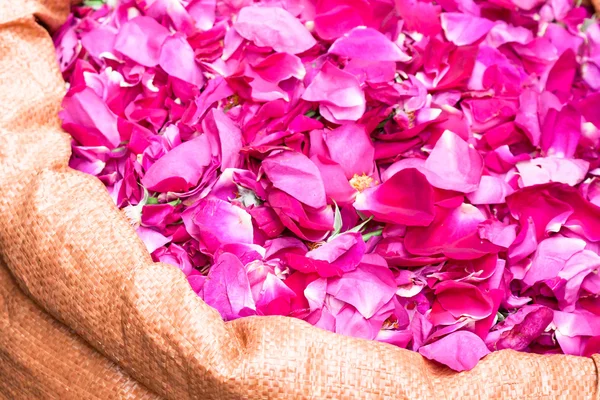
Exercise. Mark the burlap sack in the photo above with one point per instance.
(72, 252)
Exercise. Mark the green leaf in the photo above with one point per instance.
(95, 4)
(369, 235)
(360, 226)
(587, 23)
(315, 114)
(152, 200)
(118, 149)
(361, 215)
(337, 220)
(146, 196)
(247, 197)
(381, 125)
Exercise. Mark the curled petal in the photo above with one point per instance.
(406, 198)
(181, 168)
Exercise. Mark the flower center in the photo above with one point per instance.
(313, 245)
(231, 101)
(134, 214)
(361, 182)
(390, 324)
(411, 119)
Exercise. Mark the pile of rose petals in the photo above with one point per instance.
(423, 173)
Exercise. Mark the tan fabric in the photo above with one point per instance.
(72, 252)
(42, 359)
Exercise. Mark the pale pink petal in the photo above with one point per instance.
(367, 288)
(550, 258)
(351, 147)
(464, 29)
(297, 176)
(454, 164)
(233, 225)
(460, 351)
(177, 59)
(338, 90)
(224, 135)
(491, 190)
(227, 288)
(552, 169)
(273, 27)
(368, 44)
(151, 238)
(141, 39)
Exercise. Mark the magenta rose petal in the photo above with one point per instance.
(181, 168)
(421, 173)
(406, 198)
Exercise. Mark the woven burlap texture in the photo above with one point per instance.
(73, 253)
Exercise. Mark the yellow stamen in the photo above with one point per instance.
(411, 119)
(361, 182)
(231, 102)
(313, 245)
(389, 324)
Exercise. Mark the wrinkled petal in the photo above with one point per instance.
(528, 328)
(224, 135)
(367, 288)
